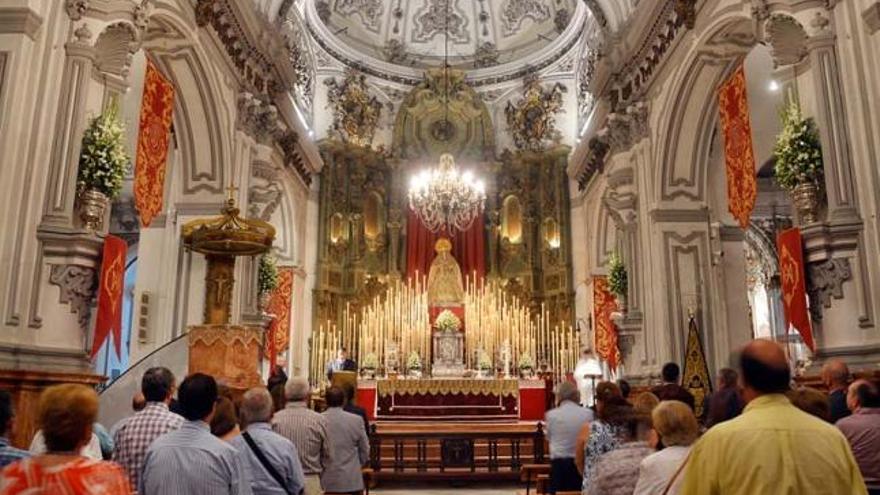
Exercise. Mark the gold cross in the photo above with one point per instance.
(230, 191)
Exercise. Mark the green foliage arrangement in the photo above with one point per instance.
(447, 321)
(103, 161)
(798, 151)
(414, 362)
(484, 362)
(617, 281)
(526, 362)
(267, 274)
(371, 361)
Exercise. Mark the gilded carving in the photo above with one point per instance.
(355, 113)
(531, 121)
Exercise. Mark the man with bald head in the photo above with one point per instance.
(835, 376)
(772, 447)
(862, 429)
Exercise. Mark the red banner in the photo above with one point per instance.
(278, 337)
(794, 289)
(109, 317)
(152, 150)
(604, 303)
(742, 185)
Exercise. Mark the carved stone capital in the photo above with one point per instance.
(76, 9)
(77, 284)
(259, 118)
(623, 129)
(825, 282)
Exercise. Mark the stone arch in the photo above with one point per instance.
(682, 175)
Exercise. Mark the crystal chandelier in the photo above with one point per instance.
(446, 200)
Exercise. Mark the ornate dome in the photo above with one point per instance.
(482, 33)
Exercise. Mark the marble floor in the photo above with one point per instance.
(441, 488)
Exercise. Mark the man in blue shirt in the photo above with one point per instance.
(8, 453)
(271, 460)
(191, 461)
(563, 425)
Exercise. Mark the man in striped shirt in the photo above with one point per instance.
(307, 430)
(191, 461)
(134, 437)
(8, 453)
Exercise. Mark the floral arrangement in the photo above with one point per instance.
(371, 361)
(526, 361)
(798, 151)
(103, 161)
(447, 321)
(617, 281)
(267, 274)
(484, 362)
(414, 362)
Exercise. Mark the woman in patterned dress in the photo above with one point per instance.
(602, 435)
(66, 414)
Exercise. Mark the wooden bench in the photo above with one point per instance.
(529, 473)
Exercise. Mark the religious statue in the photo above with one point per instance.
(444, 278)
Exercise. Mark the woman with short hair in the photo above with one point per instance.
(66, 415)
(601, 435)
(676, 426)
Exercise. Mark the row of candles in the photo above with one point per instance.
(493, 320)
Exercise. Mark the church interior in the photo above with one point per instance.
(448, 208)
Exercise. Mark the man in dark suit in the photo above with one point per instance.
(670, 389)
(835, 375)
(341, 363)
(353, 408)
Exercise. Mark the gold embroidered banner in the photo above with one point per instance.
(498, 387)
(604, 303)
(696, 371)
(108, 319)
(794, 289)
(733, 109)
(278, 336)
(152, 148)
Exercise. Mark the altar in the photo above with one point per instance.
(453, 399)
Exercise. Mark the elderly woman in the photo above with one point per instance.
(602, 435)
(66, 415)
(616, 472)
(676, 426)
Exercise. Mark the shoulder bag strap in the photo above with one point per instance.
(265, 462)
(677, 474)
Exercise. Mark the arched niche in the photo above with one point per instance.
(338, 230)
(374, 220)
(512, 220)
(552, 233)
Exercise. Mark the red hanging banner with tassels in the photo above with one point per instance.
(604, 303)
(109, 316)
(794, 287)
(152, 147)
(742, 185)
(278, 336)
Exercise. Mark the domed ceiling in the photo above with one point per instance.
(482, 33)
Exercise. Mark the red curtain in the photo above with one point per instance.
(468, 248)
(794, 290)
(109, 317)
(742, 186)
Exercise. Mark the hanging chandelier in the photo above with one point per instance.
(446, 200)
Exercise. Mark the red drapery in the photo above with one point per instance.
(794, 291)
(279, 304)
(604, 304)
(109, 317)
(468, 248)
(742, 186)
(157, 106)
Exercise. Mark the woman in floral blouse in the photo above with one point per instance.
(602, 435)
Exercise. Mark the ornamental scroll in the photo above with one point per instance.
(152, 147)
(733, 109)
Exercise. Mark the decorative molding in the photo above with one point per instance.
(787, 39)
(825, 282)
(77, 284)
(356, 113)
(289, 144)
(20, 20)
(871, 16)
(259, 118)
(672, 215)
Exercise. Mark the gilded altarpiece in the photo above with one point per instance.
(363, 203)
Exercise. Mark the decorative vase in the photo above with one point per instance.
(92, 205)
(369, 373)
(806, 201)
(621, 303)
(263, 301)
(415, 372)
(526, 373)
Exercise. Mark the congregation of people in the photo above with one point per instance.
(204, 441)
(757, 433)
